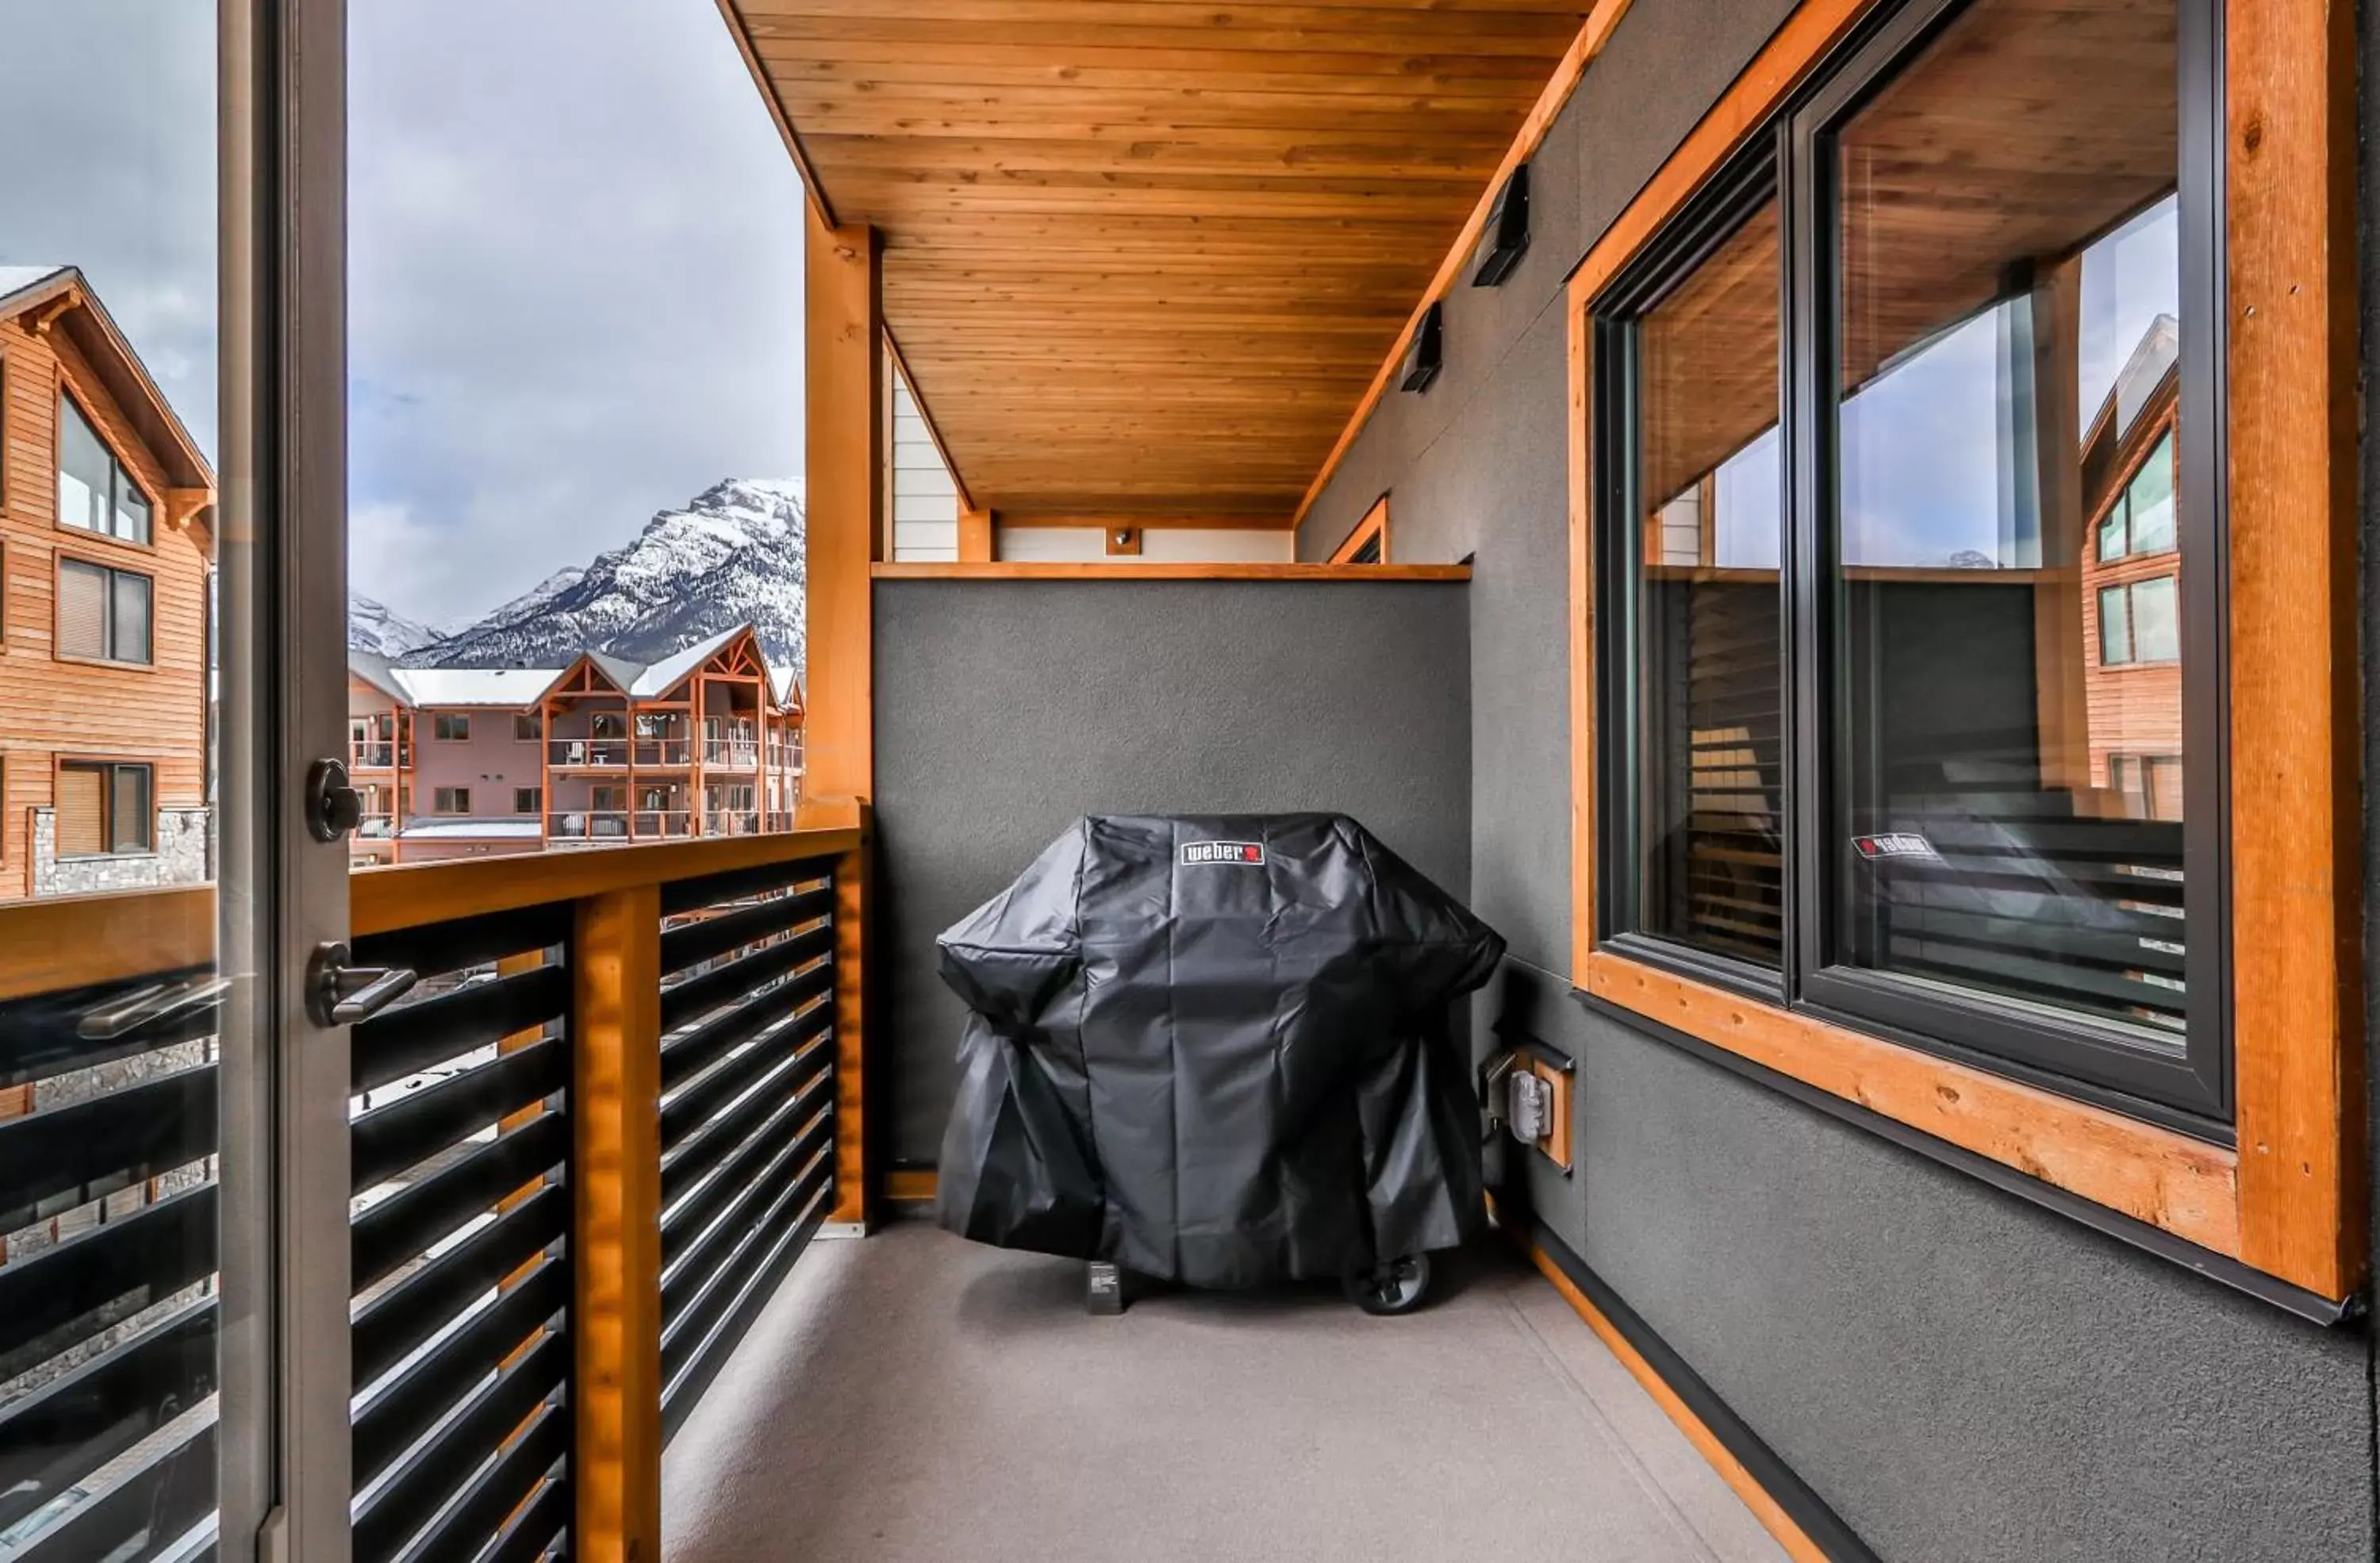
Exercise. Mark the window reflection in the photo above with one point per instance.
(2009, 647)
(1709, 626)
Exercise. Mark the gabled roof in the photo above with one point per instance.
(84, 322)
(517, 688)
(657, 679)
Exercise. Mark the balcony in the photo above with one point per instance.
(693, 1010)
(380, 755)
(587, 754)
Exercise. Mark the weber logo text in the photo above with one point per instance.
(1245, 854)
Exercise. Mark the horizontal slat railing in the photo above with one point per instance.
(628, 1105)
(108, 1320)
(747, 1120)
(623, 1098)
(460, 1144)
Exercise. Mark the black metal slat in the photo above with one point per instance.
(762, 1244)
(689, 1055)
(167, 1496)
(697, 996)
(711, 1252)
(395, 1323)
(75, 1425)
(388, 1139)
(757, 1167)
(163, 1247)
(467, 1529)
(692, 895)
(140, 1130)
(468, 942)
(700, 941)
(405, 1225)
(541, 1526)
(414, 1401)
(426, 1479)
(409, 1040)
(41, 1035)
(703, 1147)
(704, 1097)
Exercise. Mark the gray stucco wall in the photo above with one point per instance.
(1006, 709)
(1959, 1374)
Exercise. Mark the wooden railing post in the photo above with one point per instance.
(615, 1108)
(852, 875)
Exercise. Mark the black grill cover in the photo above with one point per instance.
(1215, 1050)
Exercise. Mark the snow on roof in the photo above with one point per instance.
(374, 670)
(659, 678)
(785, 685)
(619, 670)
(475, 686)
(471, 829)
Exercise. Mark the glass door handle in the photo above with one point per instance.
(338, 993)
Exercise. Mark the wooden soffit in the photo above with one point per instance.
(1145, 257)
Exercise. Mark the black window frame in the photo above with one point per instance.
(438, 724)
(2073, 1055)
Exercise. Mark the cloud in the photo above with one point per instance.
(575, 261)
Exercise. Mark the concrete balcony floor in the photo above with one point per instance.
(911, 1397)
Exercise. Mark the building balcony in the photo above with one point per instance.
(380, 755)
(587, 754)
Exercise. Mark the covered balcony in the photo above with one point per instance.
(1929, 846)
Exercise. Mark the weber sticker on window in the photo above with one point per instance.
(1247, 853)
(1903, 845)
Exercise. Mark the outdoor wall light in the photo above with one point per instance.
(1508, 231)
(1424, 354)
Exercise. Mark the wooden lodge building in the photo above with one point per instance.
(105, 558)
(462, 763)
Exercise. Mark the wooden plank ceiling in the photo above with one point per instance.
(1143, 258)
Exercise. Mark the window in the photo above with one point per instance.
(103, 614)
(451, 727)
(2139, 622)
(95, 493)
(608, 724)
(1871, 746)
(103, 809)
(1695, 784)
(529, 800)
(1368, 543)
(451, 800)
(2142, 519)
(528, 726)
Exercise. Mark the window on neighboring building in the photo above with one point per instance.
(104, 809)
(529, 800)
(95, 493)
(2142, 520)
(528, 726)
(608, 724)
(103, 614)
(2139, 622)
(1988, 849)
(450, 800)
(451, 727)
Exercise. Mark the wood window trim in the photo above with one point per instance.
(107, 765)
(1374, 524)
(68, 390)
(60, 557)
(2291, 1201)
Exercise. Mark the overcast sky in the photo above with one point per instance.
(575, 248)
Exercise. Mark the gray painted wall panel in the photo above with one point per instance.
(1962, 1375)
(1006, 710)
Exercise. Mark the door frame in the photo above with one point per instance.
(285, 1466)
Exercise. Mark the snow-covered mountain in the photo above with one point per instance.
(372, 626)
(735, 554)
